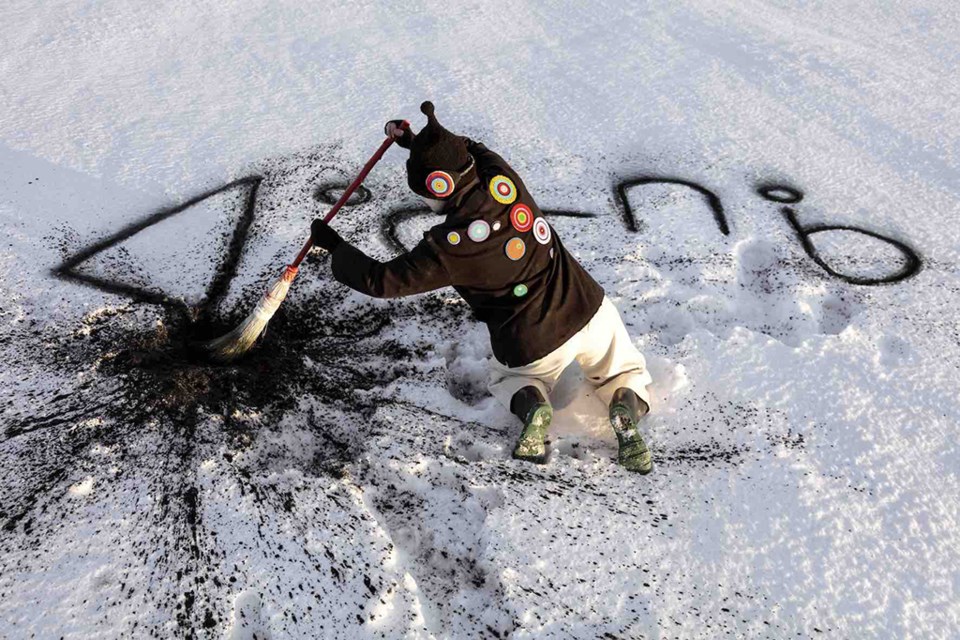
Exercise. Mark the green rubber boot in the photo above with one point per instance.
(626, 409)
(532, 408)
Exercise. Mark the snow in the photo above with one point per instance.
(84, 488)
(354, 479)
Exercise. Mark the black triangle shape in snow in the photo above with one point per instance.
(225, 270)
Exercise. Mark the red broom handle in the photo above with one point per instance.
(349, 192)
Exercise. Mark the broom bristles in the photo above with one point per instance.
(239, 341)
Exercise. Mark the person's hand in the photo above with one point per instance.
(324, 236)
(395, 129)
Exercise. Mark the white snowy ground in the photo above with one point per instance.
(804, 430)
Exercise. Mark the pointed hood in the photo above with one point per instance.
(434, 149)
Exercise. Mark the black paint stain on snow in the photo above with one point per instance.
(142, 380)
(147, 383)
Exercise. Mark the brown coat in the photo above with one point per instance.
(518, 279)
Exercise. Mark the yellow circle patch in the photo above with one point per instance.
(503, 190)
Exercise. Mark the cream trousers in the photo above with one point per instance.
(605, 353)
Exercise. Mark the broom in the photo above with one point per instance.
(239, 341)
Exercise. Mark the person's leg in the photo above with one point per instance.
(609, 358)
(524, 391)
(614, 365)
(505, 382)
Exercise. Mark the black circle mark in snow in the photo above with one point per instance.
(780, 193)
(912, 262)
(390, 225)
(331, 193)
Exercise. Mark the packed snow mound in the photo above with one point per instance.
(768, 194)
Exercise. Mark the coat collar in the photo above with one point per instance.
(460, 200)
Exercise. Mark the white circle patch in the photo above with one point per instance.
(541, 231)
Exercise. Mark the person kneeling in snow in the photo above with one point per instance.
(543, 310)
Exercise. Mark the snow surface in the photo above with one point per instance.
(804, 429)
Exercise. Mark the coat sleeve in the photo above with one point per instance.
(406, 139)
(414, 272)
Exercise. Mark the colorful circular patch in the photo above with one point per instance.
(440, 184)
(520, 290)
(521, 217)
(503, 190)
(478, 231)
(515, 248)
(453, 237)
(541, 231)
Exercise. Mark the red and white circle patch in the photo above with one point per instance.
(440, 184)
(541, 231)
(521, 217)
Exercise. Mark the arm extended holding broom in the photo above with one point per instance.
(239, 341)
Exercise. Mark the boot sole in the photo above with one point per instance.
(534, 459)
